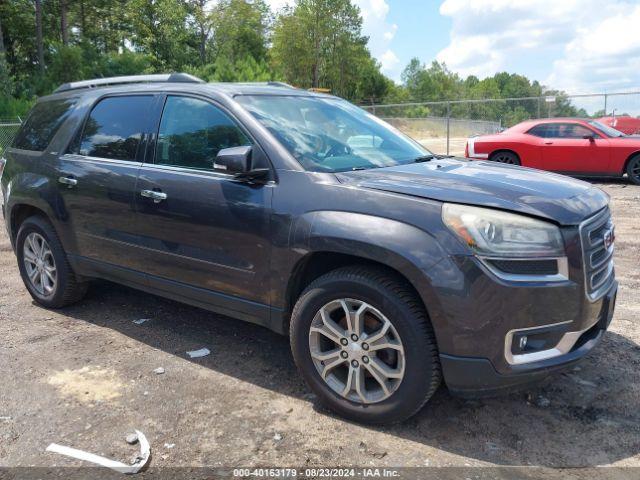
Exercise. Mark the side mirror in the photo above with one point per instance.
(591, 137)
(238, 162)
(234, 160)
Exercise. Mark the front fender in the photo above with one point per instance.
(398, 245)
(416, 254)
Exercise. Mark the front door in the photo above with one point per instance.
(205, 235)
(97, 178)
(565, 149)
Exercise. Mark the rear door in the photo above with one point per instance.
(97, 179)
(565, 149)
(205, 235)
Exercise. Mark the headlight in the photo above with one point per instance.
(496, 233)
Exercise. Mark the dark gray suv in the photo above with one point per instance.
(390, 268)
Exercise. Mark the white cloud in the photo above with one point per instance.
(605, 57)
(581, 44)
(279, 4)
(381, 33)
(389, 61)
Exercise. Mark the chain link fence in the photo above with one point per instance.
(443, 127)
(8, 130)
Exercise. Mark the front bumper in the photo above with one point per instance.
(470, 376)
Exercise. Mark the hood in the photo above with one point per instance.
(561, 199)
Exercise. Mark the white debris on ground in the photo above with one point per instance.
(203, 352)
(140, 461)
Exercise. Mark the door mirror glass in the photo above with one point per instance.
(234, 160)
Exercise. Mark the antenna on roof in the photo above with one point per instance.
(102, 82)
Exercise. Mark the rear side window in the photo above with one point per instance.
(539, 131)
(42, 124)
(115, 126)
(193, 131)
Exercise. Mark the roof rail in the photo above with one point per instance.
(279, 84)
(101, 82)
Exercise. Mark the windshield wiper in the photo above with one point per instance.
(424, 158)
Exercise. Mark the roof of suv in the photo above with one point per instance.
(176, 82)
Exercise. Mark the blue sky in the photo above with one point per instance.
(581, 46)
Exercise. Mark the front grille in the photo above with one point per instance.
(597, 256)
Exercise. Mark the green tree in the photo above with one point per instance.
(319, 44)
(240, 29)
(160, 30)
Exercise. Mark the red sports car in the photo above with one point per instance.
(567, 145)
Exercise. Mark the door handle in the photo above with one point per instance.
(157, 197)
(548, 143)
(69, 181)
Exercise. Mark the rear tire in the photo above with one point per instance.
(509, 158)
(633, 170)
(407, 353)
(44, 267)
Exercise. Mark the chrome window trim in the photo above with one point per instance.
(86, 158)
(563, 347)
(561, 276)
(187, 170)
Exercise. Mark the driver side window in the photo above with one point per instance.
(193, 131)
(569, 130)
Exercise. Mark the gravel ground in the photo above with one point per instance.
(84, 377)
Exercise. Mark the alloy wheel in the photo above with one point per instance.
(635, 170)
(40, 264)
(505, 158)
(357, 351)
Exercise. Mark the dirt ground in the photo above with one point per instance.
(84, 377)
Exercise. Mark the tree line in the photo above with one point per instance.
(311, 44)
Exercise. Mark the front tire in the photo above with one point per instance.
(633, 170)
(364, 344)
(44, 267)
(509, 158)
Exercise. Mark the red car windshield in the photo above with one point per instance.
(607, 130)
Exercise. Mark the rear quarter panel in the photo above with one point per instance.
(622, 149)
(524, 145)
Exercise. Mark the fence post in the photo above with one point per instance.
(448, 124)
(605, 105)
(539, 106)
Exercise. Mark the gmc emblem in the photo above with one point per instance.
(609, 238)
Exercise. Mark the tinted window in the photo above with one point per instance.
(539, 131)
(114, 128)
(193, 131)
(42, 124)
(567, 130)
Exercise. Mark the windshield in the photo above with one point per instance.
(332, 135)
(607, 130)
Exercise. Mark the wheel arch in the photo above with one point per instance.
(626, 162)
(19, 213)
(315, 264)
(411, 255)
(505, 149)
